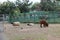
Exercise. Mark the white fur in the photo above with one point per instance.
(30, 24)
(16, 23)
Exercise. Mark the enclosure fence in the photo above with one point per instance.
(35, 17)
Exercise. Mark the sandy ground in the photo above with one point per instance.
(32, 32)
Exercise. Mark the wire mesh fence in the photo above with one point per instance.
(35, 17)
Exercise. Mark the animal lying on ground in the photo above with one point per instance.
(30, 24)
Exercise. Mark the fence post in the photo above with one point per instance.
(54, 17)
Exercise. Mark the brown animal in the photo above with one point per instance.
(44, 23)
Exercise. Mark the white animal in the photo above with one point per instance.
(16, 23)
(30, 24)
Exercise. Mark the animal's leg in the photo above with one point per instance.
(47, 25)
(41, 25)
(44, 25)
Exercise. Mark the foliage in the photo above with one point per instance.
(48, 6)
(24, 5)
(36, 7)
(44, 6)
(57, 8)
(6, 7)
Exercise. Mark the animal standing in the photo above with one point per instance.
(43, 23)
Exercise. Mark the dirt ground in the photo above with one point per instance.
(32, 32)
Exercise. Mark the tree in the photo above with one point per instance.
(57, 5)
(23, 5)
(6, 7)
(36, 6)
(47, 6)
(44, 6)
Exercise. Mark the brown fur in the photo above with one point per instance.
(44, 23)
